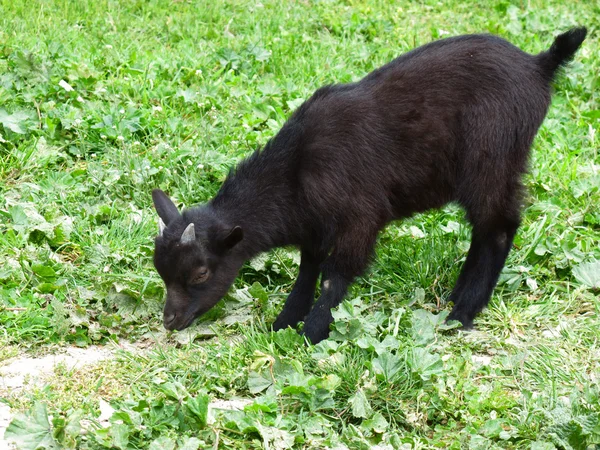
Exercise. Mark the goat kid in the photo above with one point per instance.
(451, 121)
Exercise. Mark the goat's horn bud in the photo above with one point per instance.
(161, 227)
(189, 234)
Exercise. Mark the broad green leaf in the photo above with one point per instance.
(260, 53)
(540, 445)
(263, 404)
(73, 425)
(32, 430)
(116, 436)
(329, 382)
(419, 296)
(14, 122)
(372, 343)
(288, 339)
(200, 329)
(259, 262)
(174, 390)
(291, 371)
(423, 327)
(347, 330)
(46, 288)
(127, 416)
(162, 443)
(321, 399)
(426, 364)
(28, 220)
(492, 428)
(377, 423)
(315, 425)
(188, 95)
(590, 424)
(257, 383)
(569, 436)
(348, 310)
(588, 274)
(239, 420)
(46, 154)
(585, 186)
(325, 348)
(514, 25)
(276, 438)
(388, 365)
(43, 271)
(67, 430)
(593, 114)
(350, 323)
(480, 443)
(360, 405)
(295, 389)
(294, 104)
(190, 443)
(258, 292)
(241, 295)
(18, 215)
(198, 407)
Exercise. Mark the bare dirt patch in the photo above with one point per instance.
(21, 372)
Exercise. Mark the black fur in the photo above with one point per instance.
(450, 121)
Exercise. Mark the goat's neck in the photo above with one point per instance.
(264, 205)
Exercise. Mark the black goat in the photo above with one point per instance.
(450, 121)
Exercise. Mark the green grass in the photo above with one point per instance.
(102, 101)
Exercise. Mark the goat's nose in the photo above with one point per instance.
(168, 319)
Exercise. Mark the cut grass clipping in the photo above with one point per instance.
(102, 101)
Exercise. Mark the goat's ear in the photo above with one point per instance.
(231, 238)
(165, 208)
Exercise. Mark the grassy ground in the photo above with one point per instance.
(102, 101)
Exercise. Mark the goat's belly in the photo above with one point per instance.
(407, 201)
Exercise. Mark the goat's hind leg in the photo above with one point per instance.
(491, 242)
(497, 141)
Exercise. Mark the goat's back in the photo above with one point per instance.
(448, 118)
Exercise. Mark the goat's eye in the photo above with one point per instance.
(200, 276)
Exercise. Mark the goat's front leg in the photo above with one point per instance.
(333, 290)
(301, 298)
(349, 260)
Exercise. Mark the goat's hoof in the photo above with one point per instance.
(283, 323)
(466, 324)
(279, 326)
(315, 336)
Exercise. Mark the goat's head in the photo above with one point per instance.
(195, 255)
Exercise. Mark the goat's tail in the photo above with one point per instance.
(562, 51)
